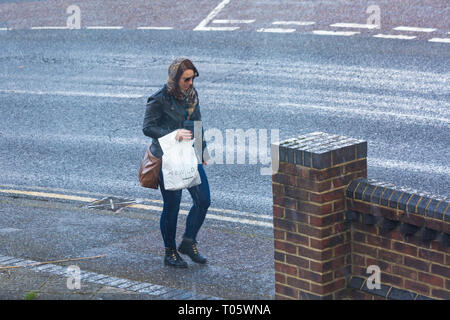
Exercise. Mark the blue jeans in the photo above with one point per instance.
(201, 200)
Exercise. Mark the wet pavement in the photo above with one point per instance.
(240, 261)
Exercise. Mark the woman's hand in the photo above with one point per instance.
(183, 134)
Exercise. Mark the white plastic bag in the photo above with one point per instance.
(179, 163)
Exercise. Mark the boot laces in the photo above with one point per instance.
(194, 248)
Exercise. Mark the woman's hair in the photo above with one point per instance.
(185, 65)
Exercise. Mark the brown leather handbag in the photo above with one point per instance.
(149, 170)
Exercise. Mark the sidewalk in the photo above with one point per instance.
(240, 256)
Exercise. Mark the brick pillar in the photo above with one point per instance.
(311, 238)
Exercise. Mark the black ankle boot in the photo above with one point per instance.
(173, 259)
(189, 247)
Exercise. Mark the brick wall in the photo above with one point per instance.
(331, 223)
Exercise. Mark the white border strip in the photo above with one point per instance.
(297, 23)
(232, 21)
(355, 25)
(442, 40)
(414, 29)
(275, 30)
(335, 33)
(218, 29)
(394, 36)
(105, 27)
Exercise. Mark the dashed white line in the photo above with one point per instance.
(276, 30)
(442, 40)
(414, 29)
(4, 29)
(105, 27)
(211, 16)
(297, 23)
(335, 33)
(154, 28)
(219, 21)
(355, 25)
(394, 36)
(217, 29)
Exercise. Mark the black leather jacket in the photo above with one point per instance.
(162, 117)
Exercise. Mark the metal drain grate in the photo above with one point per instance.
(111, 203)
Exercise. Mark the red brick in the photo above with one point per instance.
(327, 196)
(328, 265)
(312, 185)
(358, 260)
(288, 168)
(281, 278)
(417, 264)
(431, 255)
(278, 211)
(315, 276)
(342, 249)
(277, 189)
(440, 270)
(383, 265)
(314, 254)
(307, 207)
(284, 224)
(314, 232)
(322, 221)
(297, 238)
(359, 236)
(408, 273)
(391, 279)
(297, 283)
(365, 250)
(355, 166)
(404, 248)
(339, 205)
(279, 234)
(441, 294)
(447, 284)
(341, 227)
(343, 180)
(282, 268)
(294, 215)
(279, 256)
(328, 288)
(417, 287)
(359, 206)
(325, 174)
(297, 261)
(412, 218)
(285, 247)
(378, 241)
(286, 291)
(280, 178)
(280, 297)
(295, 193)
(327, 242)
(390, 256)
(431, 279)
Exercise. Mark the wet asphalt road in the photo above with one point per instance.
(72, 105)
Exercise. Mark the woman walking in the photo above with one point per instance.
(167, 110)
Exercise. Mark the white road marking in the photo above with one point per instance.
(218, 29)
(49, 28)
(233, 21)
(297, 23)
(335, 33)
(414, 29)
(105, 27)
(355, 25)
(76, 94)
(442, 40)
(149, 207)
(211, 16)
(154, 28)
(4, 29)
(394, 36)
(276, 30)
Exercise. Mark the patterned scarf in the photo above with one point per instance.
(190, 95)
